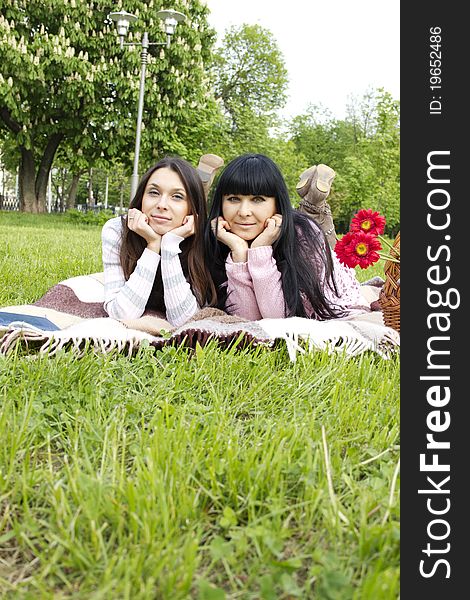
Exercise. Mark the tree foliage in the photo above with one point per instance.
(364, 150)
(64, 81)
(250, 85)
(251, 74)
(69, 93)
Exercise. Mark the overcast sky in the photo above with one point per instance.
(332, 49)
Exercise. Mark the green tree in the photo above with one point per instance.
(383, 150)
(291, 162)
(64, 81)
(371, 175)
(364, 150)
(250, 86)
(321, 138)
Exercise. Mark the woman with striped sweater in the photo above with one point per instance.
(153, 257)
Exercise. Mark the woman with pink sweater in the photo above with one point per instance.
(268, 260)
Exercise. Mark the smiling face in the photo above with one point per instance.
(246, 215)
(165, 201)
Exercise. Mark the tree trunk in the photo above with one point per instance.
(106, 192)
(45, 166)
(63, 181)
(91, 201)
(121, 194)
(72, 191)
(32, 187)
(26, 177)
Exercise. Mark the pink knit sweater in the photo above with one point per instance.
(255, 288)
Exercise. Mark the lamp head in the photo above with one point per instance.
(171, 19)
(122, 19)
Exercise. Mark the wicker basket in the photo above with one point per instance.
(389, 298)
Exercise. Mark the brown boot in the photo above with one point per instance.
(314, 187)
(207, 168)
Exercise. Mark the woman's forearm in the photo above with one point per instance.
(267, 282)
(180, 302)
(125, 299)
(241, 299)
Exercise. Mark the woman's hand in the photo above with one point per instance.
(186, 229)
(270, 234)
(138, 222)
(237, 245)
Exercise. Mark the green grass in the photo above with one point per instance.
(179, 474)
(41, 250)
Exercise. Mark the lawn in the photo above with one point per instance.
(176, 474)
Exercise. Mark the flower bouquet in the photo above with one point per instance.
(362, 246)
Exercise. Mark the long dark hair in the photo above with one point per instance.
(192, 248)
(302, 253)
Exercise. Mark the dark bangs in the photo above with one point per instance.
(250, 174)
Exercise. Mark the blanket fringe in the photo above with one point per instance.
(332, 336)
(50, 343)
(300, 336)
(351, 346)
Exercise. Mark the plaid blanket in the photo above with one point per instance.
(70, 316)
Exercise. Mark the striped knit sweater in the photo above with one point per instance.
(128, 299)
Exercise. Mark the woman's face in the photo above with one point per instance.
(246, 215)
(165, 201)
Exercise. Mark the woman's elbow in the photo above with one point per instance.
(243, 312)
(114, 311)
(177, 318)
(273, 312)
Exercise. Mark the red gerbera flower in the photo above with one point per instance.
(369, 221)
(358, 248)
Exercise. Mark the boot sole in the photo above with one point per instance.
(208, 164)
(324, 178)
(305, 179)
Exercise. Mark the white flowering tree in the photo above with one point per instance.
(65, 83)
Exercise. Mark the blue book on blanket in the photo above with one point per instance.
(8, 318)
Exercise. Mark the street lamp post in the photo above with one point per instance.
(123, 19)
